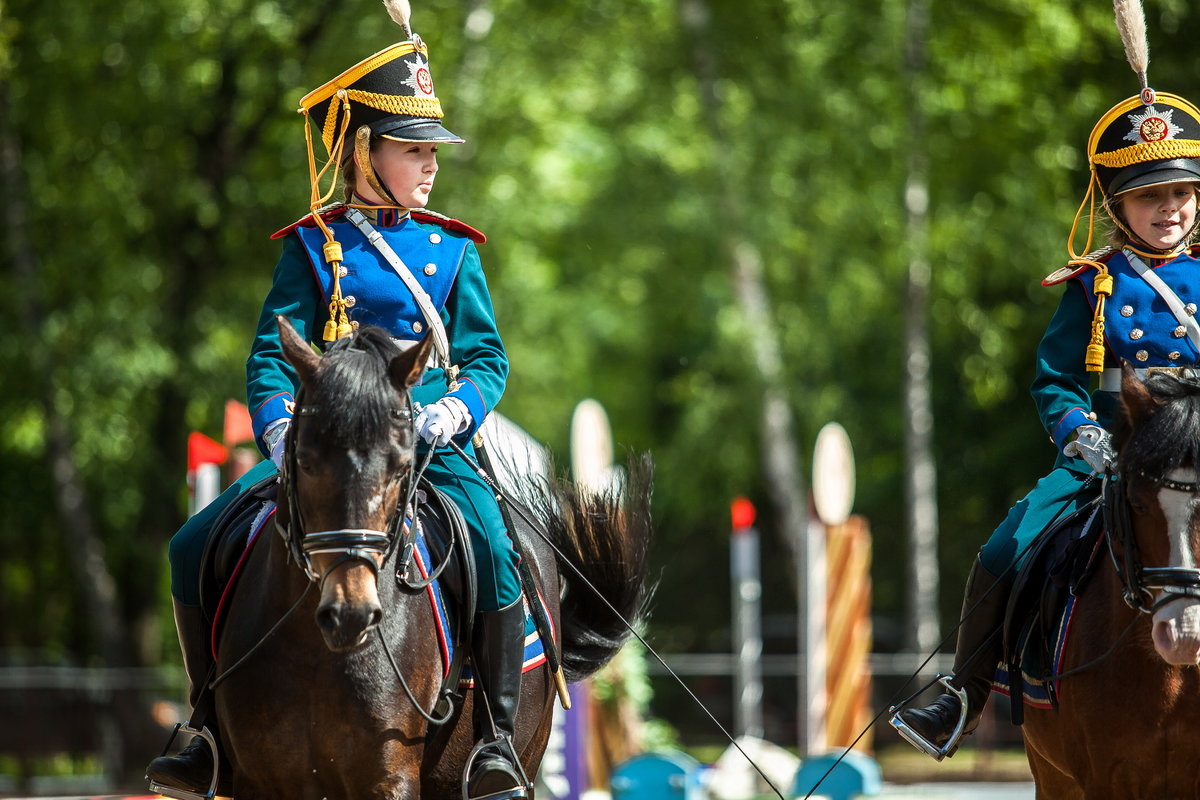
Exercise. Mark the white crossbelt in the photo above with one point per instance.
(1110, 379)
(440, 342)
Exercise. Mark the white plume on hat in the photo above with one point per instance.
(400, 11)
(1131, 24)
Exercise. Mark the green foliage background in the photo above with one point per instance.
(159, 146)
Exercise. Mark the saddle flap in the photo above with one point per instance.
(1051, 574)
(227, 540)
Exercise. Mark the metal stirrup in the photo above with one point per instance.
(501, 745)
(920, 742)
(183, 794)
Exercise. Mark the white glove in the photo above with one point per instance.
(1094, 445)
(441, 421)
(275, 437)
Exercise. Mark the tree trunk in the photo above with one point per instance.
(920, 490)
(84, 548)
(780, 459)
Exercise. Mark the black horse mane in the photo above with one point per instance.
(1170, 437)
(352, 388)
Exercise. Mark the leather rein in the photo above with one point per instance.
(1139, 583)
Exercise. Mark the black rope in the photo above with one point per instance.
(584, 581)
(432, 720)
(221, 678)
(894, 702)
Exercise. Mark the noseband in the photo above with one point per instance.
(1140, 583)
(350, 544)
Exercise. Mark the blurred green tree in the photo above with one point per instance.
(152, 147)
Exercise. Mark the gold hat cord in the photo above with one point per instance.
(338, 324)
(1102, 284)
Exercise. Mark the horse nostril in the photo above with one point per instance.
(376, 616)
(1161, 633)
(328, 618)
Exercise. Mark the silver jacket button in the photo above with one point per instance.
(435, 238)
(1174, 355)
(430, 269)
(418, 327)
(1190, 308)
(1126, 311)
(350, 300)
(343, 272)
(1179, 332)
(1136, 334)
(1141, 355)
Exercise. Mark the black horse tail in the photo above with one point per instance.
(602, 543)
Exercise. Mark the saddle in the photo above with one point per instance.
(1057, 567)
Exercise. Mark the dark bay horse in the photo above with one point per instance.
(1128, 723)
(332, 665)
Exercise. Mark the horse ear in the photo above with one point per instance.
(1136, 400)
(405, 369)
(297, 351)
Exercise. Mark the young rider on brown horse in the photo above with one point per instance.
(379, 258)
(1134, 300)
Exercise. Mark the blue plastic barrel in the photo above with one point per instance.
(657, 776)
(856, 775)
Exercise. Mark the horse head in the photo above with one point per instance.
(347, 466)
(1157, 544)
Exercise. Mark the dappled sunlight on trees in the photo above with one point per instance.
(160, 147)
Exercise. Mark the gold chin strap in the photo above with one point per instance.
(362, 149)
(1102, 285)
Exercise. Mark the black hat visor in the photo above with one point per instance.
(403, 128)
(1154, 173)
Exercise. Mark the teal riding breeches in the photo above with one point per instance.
(1055, 497)
(495, 559)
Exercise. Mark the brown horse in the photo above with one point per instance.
(1128, 723)
(330, 663)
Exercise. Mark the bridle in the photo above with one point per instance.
(350, 544)
(361, 544)
(1139, 584)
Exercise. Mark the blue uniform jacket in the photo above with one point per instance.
(439, 252)
(1138, 328)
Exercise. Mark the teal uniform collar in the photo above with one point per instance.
(379, 216)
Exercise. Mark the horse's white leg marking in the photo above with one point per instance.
(1177, 624)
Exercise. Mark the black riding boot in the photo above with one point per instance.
(192, 768)
(498, 655)
(979, 650)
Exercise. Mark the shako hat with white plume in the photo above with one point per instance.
(1148, 139)
(1145, 140)
(390, 92)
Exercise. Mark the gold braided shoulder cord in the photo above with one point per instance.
(338, 324)
(1102, 284)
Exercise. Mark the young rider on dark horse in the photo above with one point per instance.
(1134, 300)
(380, 122)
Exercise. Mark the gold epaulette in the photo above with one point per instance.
(1074, 268)
(449, 223)
(328, 213)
